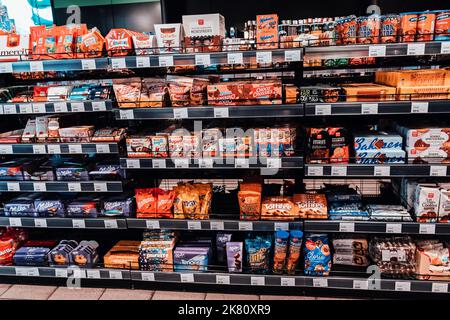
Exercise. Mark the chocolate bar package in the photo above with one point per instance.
(11, 170)
(76, 134)
(139, 147)
(108, 135)
(106, 171)
(234, 253)
(204, 32)
(318, 145)
(378, 141)
(72, 172)
(381, 156)
(117, 206)
(424, 137)
(21, 206)
(85, 254)
(321, 93)
(191, 258)
(124, 255)
(426, 204)
(31, 256)
(60, 255)
(85, 207)
(429, 155)
(221, 240)
(169, 37)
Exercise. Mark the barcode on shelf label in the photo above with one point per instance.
(116, 275)
(314, 171)
(445, 47)
(241, 163)
(159, 163)
(74, 187)
(39, 108)
(202, 59)
(133, 163)
(382, 171)
(40, 186)
(15, 222)
(394, 228)
(81, 274)
(25, 108)
(194, 225)
(323, 109)
(427, 228)
(361, 284)
(40, 223)
(39, 149)
(377, 51)
(78, 224)
(75, 148)
(274, 163)
(264, 57)
(281, 226)
(36, 66)
(369, 108)
(287, 282)
(205, 163)
(60, 107)
(13, 186)
(152, 224)
(221, 113)
(61, 273)
(416, 49)
(9, 109)
(102, 148)
(347, 227)
(221, 279)
(111, 224)
(438, 171)
(320, 282)
(235, 58)
(98, 106)
(245, 226)
(180, 113)
(339, 171)
(217, 225)
(439, 287)
(148, 276)
(187, 277)
(165, 61)
(419, 107)
(143, 62)
(118, 63)
(88, 64)
(126, 114)
(181, 163)
(93, 274)
(292, 55)
(6, 149)
(54, 149)
(77, 107)
(28, 272)
(402, 286)
(258, 281)
(100, 187)
(6, 67)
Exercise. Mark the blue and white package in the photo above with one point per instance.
(191, 259)
(380, 156)
(376, 142)
(317, 255)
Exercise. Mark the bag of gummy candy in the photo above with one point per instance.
(317, 255)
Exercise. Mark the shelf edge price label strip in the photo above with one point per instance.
(402, 286)
(194, 225)
(93, 274)
(361, 284)
(419, 107)
(320, 283)
(78, 224)
(394, 228)
(75, 149)
(416, 49)
(15, 222)
(292, 56)
(438, 171)
(427, 228)
(13, 186)
(159, 163)
(187, 277)
(115, 274)
(118, 63)
(222, 279)
(202, 60)
(235, 58)
(339, 171)
(77, 107)
(241, 163)
(133, 163)
(27, 272)
(6, 67)
(181, 163)
(205, 163)
(369, 108)
(377, 51)
(347, 227)
(98, 106)
(88, 64)
(36, 66)
(381, 171)
(147, 276)
(39, 108)
(100, 187)
(40, 186)
(315, 171)
(281, 226)
(40, 223)
(220, 112)
(111, 224)
(74, 187)
(61, 273)
(25, 108)
(245, 226)
(103, 148)
(445, 47)
(165, 61)
(152, 224)
(323, 109)
(258, 281)
(6, 149)
(217, 225)
(287, 282)
(39, 149)
(180, 113)
(142, 62)
(54, 149)
(126, 114)
(264, 56)
(439, 287)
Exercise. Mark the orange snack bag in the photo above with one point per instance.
(37, 41)
(90, 44)
(164, 203)
(146, 203)
(119, 42)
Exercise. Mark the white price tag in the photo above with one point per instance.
(287, 282)
(438, 171)
(320, 282)
(347, 227)
(245, 226)
(142, 62)
(440, 287)
(221, 113)
(15, 222)
(80, 274)
(274, 163)
(281, 226)
(74, 187)
(202, 60)
(217, 225)
(36, 66)
(152, 224)
(25, 108)
(103, 148)
(9, 109)
(54, 149)
(13, 186)
(77, 107)
(258, 281)
(235, 58)
(111, 224)
(98, 106)
(75, 148)
(133, 164)
(361, 284)
(339, 171)
(1, 109)
(416, 49)
(205, 163)
(222, 279)
(445, 47)
(292, 55)
(27, 272)
(194, 225)
(369, 108)
(314, 171)
(263, 56)
(61, 273)
(427, 228)
(88, 64)
(394, 228)
(6, 67)
(402, 286)
(159, 163)
(323, 109)
(93, 274)
(187, 277)
(118, 63)
(116, 275)
(39, 149)
(40, 223)
(78, 224)
(181, 163)
(377, 51)
(419, 107)
(148, 276)
(39, 108)
(40, 186)
(100, 187)
(241, 163)
(6, 149)
(180, 113)
(165, 61)
(60, 107)
(382, 171)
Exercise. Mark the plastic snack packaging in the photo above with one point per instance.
(390, 25)
(425, 26)
(180, 90)
(442, 25)
(119, 42)
(259, 253)
(124, 255)
(278, 208)
(37, 42)
(90, 45)
(60, 255)
(368, 29)
(144, 44)
(408, 26)
(164, 203)
(146, 203)
(267, 31)
(128, 92)
(85, 254)
(221, 241)
(249, 205)
(347, 30)
(234, 256)
(168, 37)
(317, 255)
(295, 244)
(280, 251)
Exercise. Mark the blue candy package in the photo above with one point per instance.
(259, 251)
(317, 255)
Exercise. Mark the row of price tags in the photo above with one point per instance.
(218, 225)
(413, 49)
(178, 113)
(371, 108)
(55, 149)
(58, 107)
(378, 171)
(203, 163)
(71, 186)
(76, 223)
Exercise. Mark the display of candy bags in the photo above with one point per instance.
(317, 255)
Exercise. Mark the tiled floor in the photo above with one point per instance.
(31, 292)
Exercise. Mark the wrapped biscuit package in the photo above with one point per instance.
(128, 92)
(278, 208)
(311, 205)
